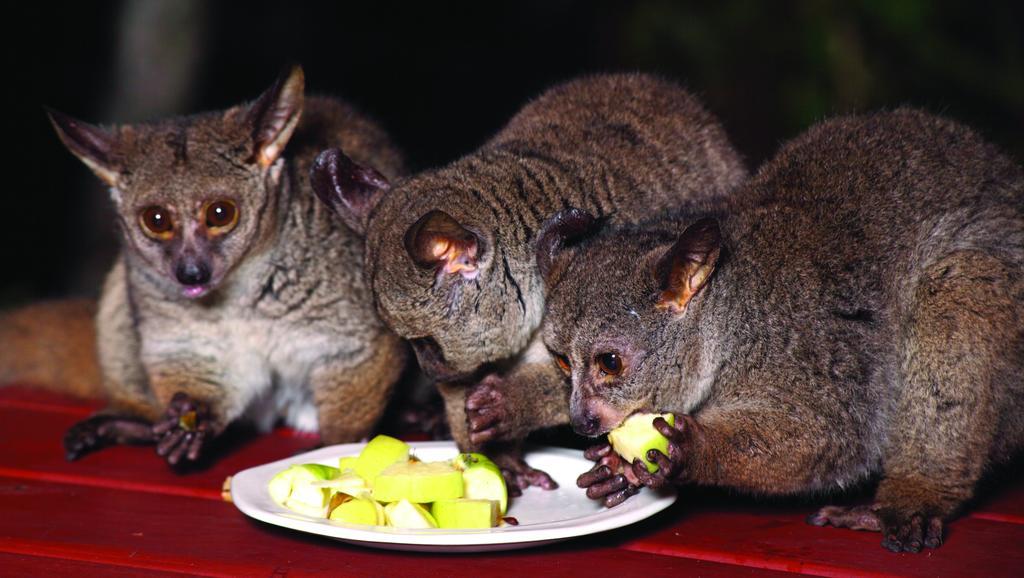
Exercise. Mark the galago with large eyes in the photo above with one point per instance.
(186, 219)
(236, 295)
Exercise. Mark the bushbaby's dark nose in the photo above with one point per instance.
(586, 423)
(192, 273)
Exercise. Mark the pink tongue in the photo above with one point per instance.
(194, 291)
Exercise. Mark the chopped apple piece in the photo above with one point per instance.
(347, 483)
(405, 514)
(418, 482)
(358, 511)
(482, 479)
(636, 436)
(468, 514)
(283, 485)
(379, 453)
(280, 486)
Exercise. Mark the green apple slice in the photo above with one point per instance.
(347, 463)
(382, 518)
(347, 483)
(418, 482)
(358, 511)
(379, 453)
(284, 484)
(482, 479)
(405, 514)
(313, 472)
(636, 436)
(280, 486)
(307, 497)
(470, 514)
(309, 494)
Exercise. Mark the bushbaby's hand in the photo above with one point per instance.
(609, 480)
(183, 430)
(102, 430)
(670, 467)
(487, 411)
(518, 474)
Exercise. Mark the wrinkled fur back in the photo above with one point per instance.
(623, 146)
(861, 215)
(865, 316)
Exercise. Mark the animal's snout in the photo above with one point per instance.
(586, 423)
(192, 273)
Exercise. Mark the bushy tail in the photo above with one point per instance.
(52, 345)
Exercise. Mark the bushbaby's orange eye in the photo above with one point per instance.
(609, 363)
(563, 363)
(157, 223)
(221, 216)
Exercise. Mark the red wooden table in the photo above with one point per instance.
(122, 511)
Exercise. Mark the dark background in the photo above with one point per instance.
(442, 77)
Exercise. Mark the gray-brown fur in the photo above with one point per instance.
(865, 316)
(285, 326)
(624, 147)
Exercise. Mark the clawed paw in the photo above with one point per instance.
(486, 411)
(901, 532)
(609, 480)
(909, 533)
(854, 518)
(519, 475)
(100, 431)
(183, 430)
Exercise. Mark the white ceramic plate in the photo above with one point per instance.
(544, 516)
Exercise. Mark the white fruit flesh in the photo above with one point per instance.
(347, 483)
(405, 514)
(468, 514)
(418, 482)
(306, 509)
(636, 436)
(280, 486)
(295, 485)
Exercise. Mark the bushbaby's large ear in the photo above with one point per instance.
(437, 240)
(560, 230)
(93, 145)
(688, 264)
(275, 114)
(351, 189)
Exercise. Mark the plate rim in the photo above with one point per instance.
(508, 536)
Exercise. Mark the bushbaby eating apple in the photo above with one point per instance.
(858, 311)
(449, 252)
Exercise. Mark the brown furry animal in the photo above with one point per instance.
(858, 311)
(236, 294)
(450, 251)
